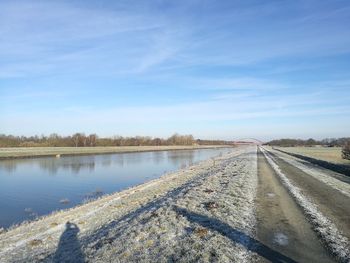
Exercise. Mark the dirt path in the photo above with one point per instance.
(332, 237)
(332, 203)
(281, 225)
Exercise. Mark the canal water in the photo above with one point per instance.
(35, 187)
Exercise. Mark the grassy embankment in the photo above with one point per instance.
(329, 158)
(26, 152)
(328, 154)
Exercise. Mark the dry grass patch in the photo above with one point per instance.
(201, 232)
(53, 224)
(35, 242)
(211, 205)
(328, 154)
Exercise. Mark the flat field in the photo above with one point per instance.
(329, 154)
(22, 152)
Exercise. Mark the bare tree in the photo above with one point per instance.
(79, 139)
(346, 151)
(91, 140)
(54, 139)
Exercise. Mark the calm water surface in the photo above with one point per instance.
(34, 187)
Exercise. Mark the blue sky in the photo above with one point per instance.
(215, 69)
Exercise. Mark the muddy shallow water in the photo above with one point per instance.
(34, 187)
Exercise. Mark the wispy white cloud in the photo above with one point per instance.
(137, 120)
(56, 37)
(226, 62)
(226, 109)
(53, 37)
(218, 83)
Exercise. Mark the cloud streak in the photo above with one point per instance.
(84, 65)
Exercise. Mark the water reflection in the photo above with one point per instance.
(107, 161)
(74, 164)
(119, 160)
(52, 165)
(158, 156)
(9, 165)
(77, 164)
(135, 158)
(182, 157)
(40, 183)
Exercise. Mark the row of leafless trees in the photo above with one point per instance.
(293, 142)
(329, 142)
(91, 140)
(346, 151)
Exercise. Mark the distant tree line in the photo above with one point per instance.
(92, 140)
(328, 142)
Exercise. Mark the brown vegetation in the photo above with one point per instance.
(346, 151)
(92, 140)
(329, 142)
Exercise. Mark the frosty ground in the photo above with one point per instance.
(216, 211)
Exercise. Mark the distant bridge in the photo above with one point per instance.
(248, 141)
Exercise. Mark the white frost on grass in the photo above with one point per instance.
(212, 219)
(142, 223)
(317, 172)
(325, 228)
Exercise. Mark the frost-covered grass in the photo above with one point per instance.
(202, 213)
(210, 219)
(325, 228)
(329, 154)
(53, 151)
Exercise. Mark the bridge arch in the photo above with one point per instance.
(249, 141)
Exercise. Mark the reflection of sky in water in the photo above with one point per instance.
(39, 184)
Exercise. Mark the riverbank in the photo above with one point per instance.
(244, 206)
(33, 152)
(203, 212)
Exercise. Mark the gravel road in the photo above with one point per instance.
(323, 200)
(281, 224)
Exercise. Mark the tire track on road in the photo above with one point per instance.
(281, 224)
(331, 236)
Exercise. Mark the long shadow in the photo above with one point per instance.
(69, 249)
(97, 237)
(235, 235)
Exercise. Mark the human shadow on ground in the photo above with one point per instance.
(69, 249)
(235, 235)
